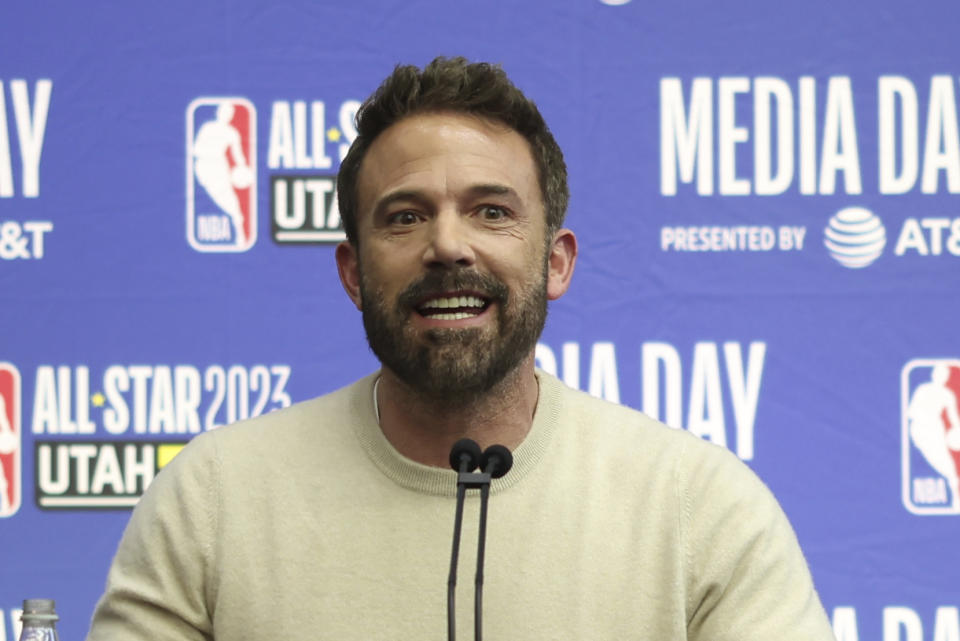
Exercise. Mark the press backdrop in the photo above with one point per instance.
(765, 196)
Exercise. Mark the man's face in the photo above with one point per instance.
(451, 269)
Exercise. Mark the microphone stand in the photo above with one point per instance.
(481, 547)
(495, 461)
(464, 457)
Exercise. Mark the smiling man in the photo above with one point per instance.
(452, 260)
(332, 519)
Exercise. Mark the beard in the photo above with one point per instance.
(453, 367)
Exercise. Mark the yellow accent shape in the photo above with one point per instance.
(98, 399)
(333, 134)
(165, 453)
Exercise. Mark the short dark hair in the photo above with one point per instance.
(454, 84)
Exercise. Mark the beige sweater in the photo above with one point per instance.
(306, 524)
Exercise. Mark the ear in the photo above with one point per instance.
(348, 267)
(563, 256)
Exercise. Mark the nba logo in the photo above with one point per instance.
(930, 436)
(10, 485)
(221, 175)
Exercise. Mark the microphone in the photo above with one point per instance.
(465, 455)
(464, 459)
(494, 462)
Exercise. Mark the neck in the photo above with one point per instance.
(424, 430)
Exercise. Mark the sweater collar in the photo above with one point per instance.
(436, 481)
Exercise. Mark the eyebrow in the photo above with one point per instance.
(396, 196)
(417, 196)
(492, 190)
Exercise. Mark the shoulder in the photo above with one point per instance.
(625, 433)
(703, 481)
(739, 555)
(298, 433)
(589, 412)
(317, 418)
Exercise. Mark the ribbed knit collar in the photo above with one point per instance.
(442, 481)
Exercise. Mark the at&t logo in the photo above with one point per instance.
(855, 237)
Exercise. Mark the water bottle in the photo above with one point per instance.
(39, 620)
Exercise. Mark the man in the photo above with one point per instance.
(332, 519)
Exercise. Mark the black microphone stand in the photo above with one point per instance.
(495, 462)
(464, 458)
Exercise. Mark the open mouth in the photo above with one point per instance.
(453, 307)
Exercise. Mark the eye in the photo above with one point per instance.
(403, 218)
(493, 213)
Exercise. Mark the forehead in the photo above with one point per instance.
(445, 153)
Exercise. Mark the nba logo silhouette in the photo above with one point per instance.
(10, 484)
(930, 435)
(221, 175)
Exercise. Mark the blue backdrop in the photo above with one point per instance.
(765, 196)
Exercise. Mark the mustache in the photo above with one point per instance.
(435, 283)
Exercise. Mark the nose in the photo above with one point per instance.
(449, 242)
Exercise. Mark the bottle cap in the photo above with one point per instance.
(39, 609)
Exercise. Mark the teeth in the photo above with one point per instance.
(455, 316)
(453, 301)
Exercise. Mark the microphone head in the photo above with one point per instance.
(465, 455)
(496, 461)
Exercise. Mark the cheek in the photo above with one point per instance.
(509, 254)
(381, 289)
(375, 268)
(383, 259)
